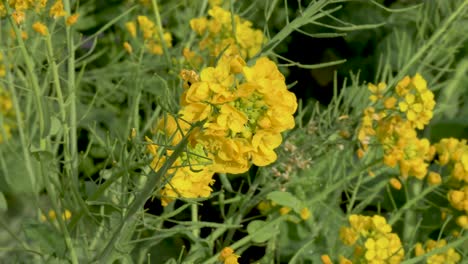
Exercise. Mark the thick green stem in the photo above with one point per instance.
(196, 230)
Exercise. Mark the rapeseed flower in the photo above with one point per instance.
(227, 256)
(191, 175)
(450, 256)
(150, 34)
(453, 153)
(40, 28)
(416, 100)
(218, 33)
(57, 10)
(372, 239)
(243, 119)
(7, 115)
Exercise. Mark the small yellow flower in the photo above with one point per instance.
(40, 28)
(71, 20)
(131, 28)
(227, 256)
(52, 215)
(284, 210)
(326, 259)
(66, 215)
(18, 16)
(377, 91)
(305, 213)
(395, 183)
(462, 221)
(57, 10)
(434, 178)
(128, 47)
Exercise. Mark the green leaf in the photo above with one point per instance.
(3, 203)
(260, 231)
(55, 126)
(286, 199)
(47, 238)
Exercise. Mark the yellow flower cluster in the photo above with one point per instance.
(396, 133)
(227, 256)
(453, 153)
(448, 257)
(191, 174)
(245, 108)
(150, 34)
(20, 7)
(2, 66)
(402, 147)
(52, 215)
(416, 100)
(7, 114)
(373, 240)
(224, 30)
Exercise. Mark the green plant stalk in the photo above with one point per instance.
(192, 36)
(24, 143)
(50, 188)
(33, 77)
(194, 209)
(128, 222)
(72, 102)
(410, 218)
(161, 33)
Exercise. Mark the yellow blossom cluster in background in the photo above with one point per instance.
(2, 66)
(372, 239)
(52, 215)
(20, 7)
(394, 128)
(450, 256)
(150, 34)
(7, 115)
(224, 30)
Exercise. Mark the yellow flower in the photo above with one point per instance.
(227, 256)
(377, 91)
(284, 210)
(434, 178)
(462, 221)
(40, 28)
(263, 144)
(131, 28)
(71, 20)
(305, 213)
(418, 101)
(128, 47)
(326, 259)
(57, 10)
(450, 256)
(395, 183)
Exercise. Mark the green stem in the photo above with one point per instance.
(410, 218)
(72, 100)
(161, 33)
(196, 230)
